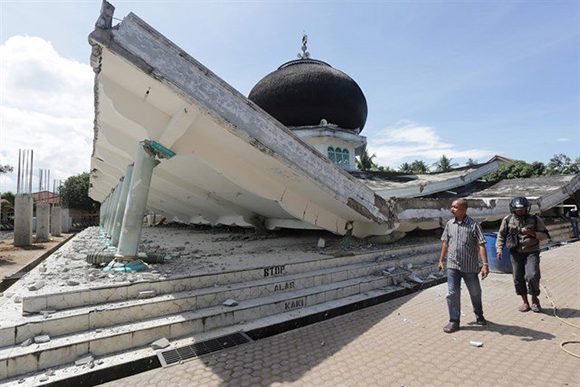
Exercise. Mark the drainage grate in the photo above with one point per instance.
(202, 348)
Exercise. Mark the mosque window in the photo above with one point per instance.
(345, 157)
(331, 154)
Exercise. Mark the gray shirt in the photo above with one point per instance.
(463, 239)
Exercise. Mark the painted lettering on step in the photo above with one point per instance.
(295, 304)
(284, 286)
(274, 270)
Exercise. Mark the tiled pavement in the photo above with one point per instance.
(401, 342)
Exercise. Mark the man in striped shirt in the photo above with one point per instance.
(462, 241)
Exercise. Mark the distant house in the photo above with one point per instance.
(46, 197)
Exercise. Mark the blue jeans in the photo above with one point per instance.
(454, 293)
(574, 222)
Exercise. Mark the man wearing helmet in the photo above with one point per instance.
(525, 232)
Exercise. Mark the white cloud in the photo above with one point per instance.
(563, 139)
(46, 104)
(408, 141)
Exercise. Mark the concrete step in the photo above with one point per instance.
(86, 318)
(69, 374)
(130, 291)
(17, 360)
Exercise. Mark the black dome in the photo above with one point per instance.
(303, 92)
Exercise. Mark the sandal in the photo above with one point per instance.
(524, 308)
(536, 308)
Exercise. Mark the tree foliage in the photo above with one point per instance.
(561, 164)
(6, 168)
(365, 162)
(74, 193)
(8, 196)
(470, 162)
(444, 164)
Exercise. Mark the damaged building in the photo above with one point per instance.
(172, 138)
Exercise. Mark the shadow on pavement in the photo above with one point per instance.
(526, 334)
(263, 361)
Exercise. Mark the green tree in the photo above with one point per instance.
(8, 196)
(516, 170)
(444, 164)
(471, 162)
(405, 168)
(561, 164)
(6, 168)
(364, 162)
(74, 193)
(419, 166)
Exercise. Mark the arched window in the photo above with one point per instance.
(338, 152)
(331, 154)
(345, 157)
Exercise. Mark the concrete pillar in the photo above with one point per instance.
(55, 221)
(42, 222)
(113, 209)
(23, 220)
(102, 213)
(136, 204)
(65, 220)
(118, 222)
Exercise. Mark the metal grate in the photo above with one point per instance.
(179, 355)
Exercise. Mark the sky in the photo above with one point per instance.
(468, 79)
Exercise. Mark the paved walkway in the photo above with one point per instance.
(401, 342)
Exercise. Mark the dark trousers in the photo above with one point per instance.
(526, 269)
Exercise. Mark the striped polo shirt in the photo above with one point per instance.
(463, 239)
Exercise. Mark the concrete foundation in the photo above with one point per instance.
(55, 221)
(42, 222)
(23, 220)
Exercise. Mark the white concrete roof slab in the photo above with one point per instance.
(234, 162)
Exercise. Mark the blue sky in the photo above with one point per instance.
(468, 79)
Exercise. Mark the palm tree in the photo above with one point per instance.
(419, 166)
(444, 164)
(365, 162)
(405, 168)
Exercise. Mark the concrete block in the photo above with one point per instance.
(34, 304)
(218, 320)
(19, 365)
(61, 355)
(185, 328)
(7, 336)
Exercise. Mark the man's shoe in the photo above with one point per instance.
(451, 327)
(481, 321)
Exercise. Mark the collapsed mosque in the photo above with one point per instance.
(281, 158)
(170, 137)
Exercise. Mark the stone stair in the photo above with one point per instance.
(128, 316)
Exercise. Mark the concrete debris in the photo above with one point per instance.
(43, 378)
(42, 339)
(36, 286)
(84, 360)
(72, 283)
(230, 302)
(42, 269)
(20, 381)
(49, 372)
(391, 269)
(321, 243)
(415, 278)
(26, 343)
(409, 266)
(18, 299)
(432, 276)
(100, 362)
(160, 344)
(407, 285)
(478, 344)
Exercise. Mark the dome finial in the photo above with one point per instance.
(304, 54)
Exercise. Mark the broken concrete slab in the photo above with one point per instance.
(160, 344)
